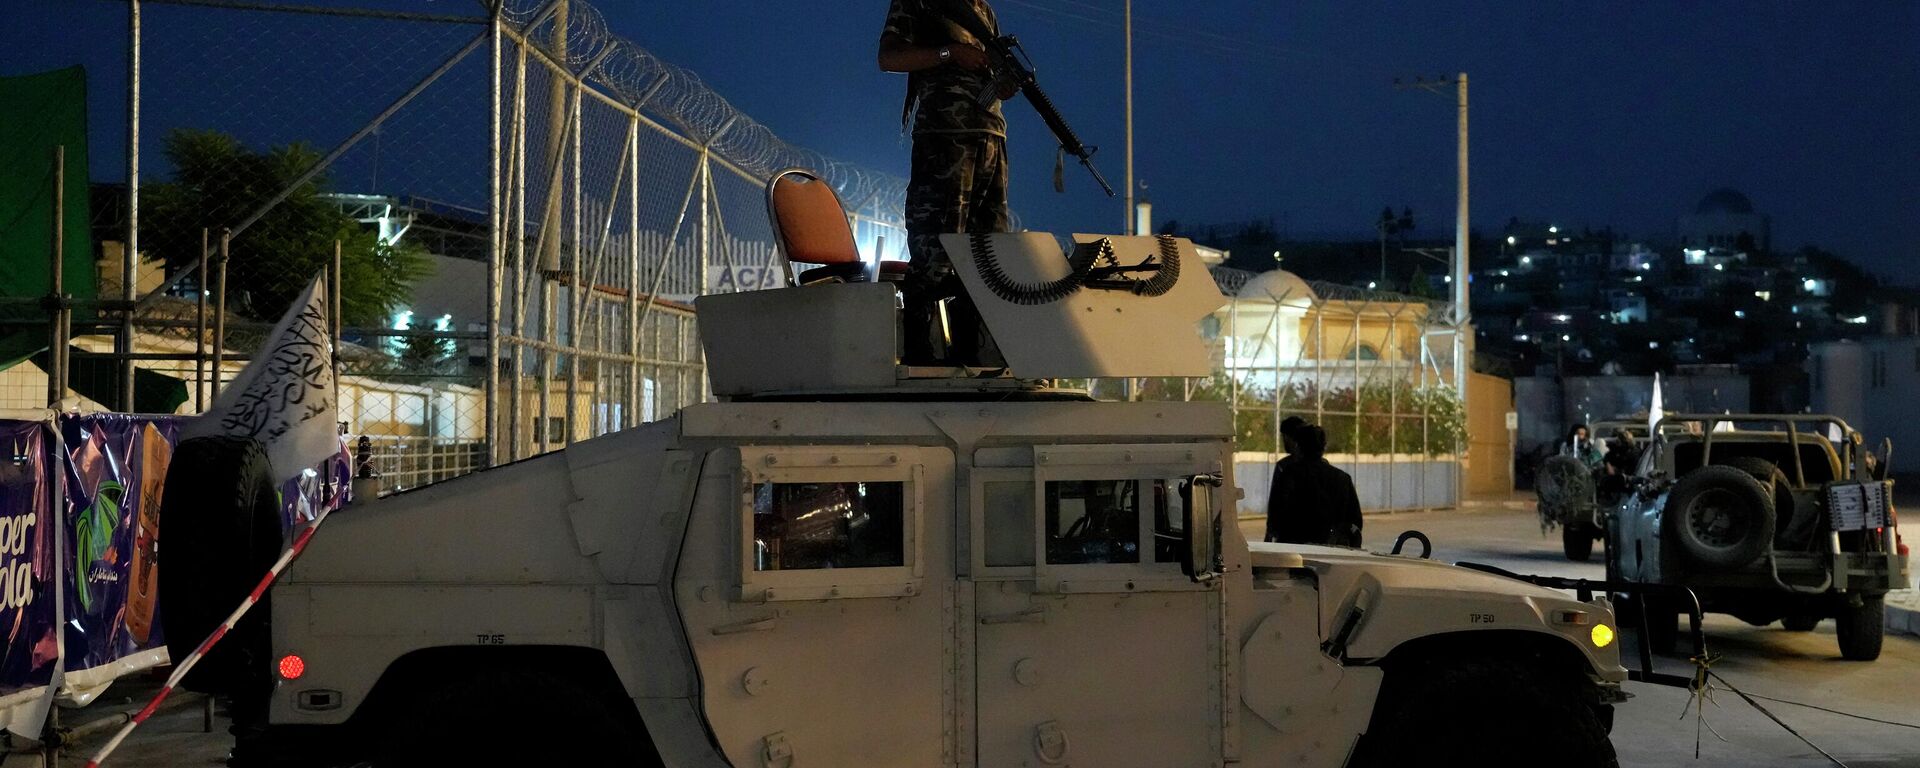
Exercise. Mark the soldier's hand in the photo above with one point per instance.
(967, 57)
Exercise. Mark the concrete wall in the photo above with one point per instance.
(1844, 383)
(1548, 407)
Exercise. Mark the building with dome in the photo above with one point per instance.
(1724, 219)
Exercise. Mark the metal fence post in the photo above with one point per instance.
(130, 254)
(220, 311)
(200, 326)
(490, 407)
(632, 412)
(56, 284)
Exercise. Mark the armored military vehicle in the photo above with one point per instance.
(1768, 517)
(848, 562)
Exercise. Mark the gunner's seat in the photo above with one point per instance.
(810, 226)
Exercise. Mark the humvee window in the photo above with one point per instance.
(799, 526)
(1093, 521)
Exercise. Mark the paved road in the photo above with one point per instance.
(1767, 661)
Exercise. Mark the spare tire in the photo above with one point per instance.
(1564, 486)
(1720, 517)
(221, 513)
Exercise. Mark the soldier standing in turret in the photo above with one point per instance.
(959, 177)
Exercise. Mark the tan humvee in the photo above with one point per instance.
(845, 562)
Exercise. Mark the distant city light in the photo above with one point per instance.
(1553, 230)
(1653, 345)
(443, 322)
(403, 320)
(1521, 337)
(1565, 337)
(1504, 273)
(1562, 318)
(1526, 260)
(1740, 313)
(1719, 267)
(1372, 285)
(1509, 239)
(1763, 295)
(1809, 283)
(1448, 278)
(1858, 320)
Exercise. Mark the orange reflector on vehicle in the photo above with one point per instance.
(292, 667)
(1602, 635)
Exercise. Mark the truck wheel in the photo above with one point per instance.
(1861, 628)
(510, 717)
(1496, 713)
(1720, 516)
(1799, 622)
(221, 513)
(1577, 540)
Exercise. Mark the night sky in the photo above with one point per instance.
(1584, 114)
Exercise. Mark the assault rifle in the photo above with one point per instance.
(1012, 70)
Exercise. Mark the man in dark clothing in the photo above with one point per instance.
(959, 176)
(1312, 501)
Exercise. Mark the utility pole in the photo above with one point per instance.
(1461, 294)
(1128, 24)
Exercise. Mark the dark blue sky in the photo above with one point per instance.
(1584, 114)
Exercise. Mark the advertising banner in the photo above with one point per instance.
(29, 573)
(116, 467)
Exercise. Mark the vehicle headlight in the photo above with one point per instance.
(1602, 635)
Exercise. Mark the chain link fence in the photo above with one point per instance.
(523, 207)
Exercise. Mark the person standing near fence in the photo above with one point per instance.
(959, 177)
(1312, 501)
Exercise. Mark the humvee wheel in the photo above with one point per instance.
(1861, 628)
(1799, 622)
(508, 717)
(1483, 712)
(1577, 541)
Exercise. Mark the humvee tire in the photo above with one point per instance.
(221, 513)
(1577, 541)
(1799, 622)
(1861, 628)
(485, 719)
(1498, 712)
(1720, 516)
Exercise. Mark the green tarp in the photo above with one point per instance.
(38, 113)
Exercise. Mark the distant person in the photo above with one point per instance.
(1580, 446)
(1312, 501)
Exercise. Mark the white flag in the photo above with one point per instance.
(285, 396)
(1654, 412)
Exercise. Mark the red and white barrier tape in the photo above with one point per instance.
(182, 666)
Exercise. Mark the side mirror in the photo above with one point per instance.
(1200, 555)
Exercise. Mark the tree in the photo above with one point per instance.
(217, 182)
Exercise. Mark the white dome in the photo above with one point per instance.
(1278, 286)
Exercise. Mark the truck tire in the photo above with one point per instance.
(1577, 541)
(1496, 712)
(1861, 628)
(1793, 527)
(510, 717)
(1720, 517)
(221, 512)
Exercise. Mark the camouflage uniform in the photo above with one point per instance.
(959, 177)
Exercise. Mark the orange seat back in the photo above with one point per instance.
(811, 224)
